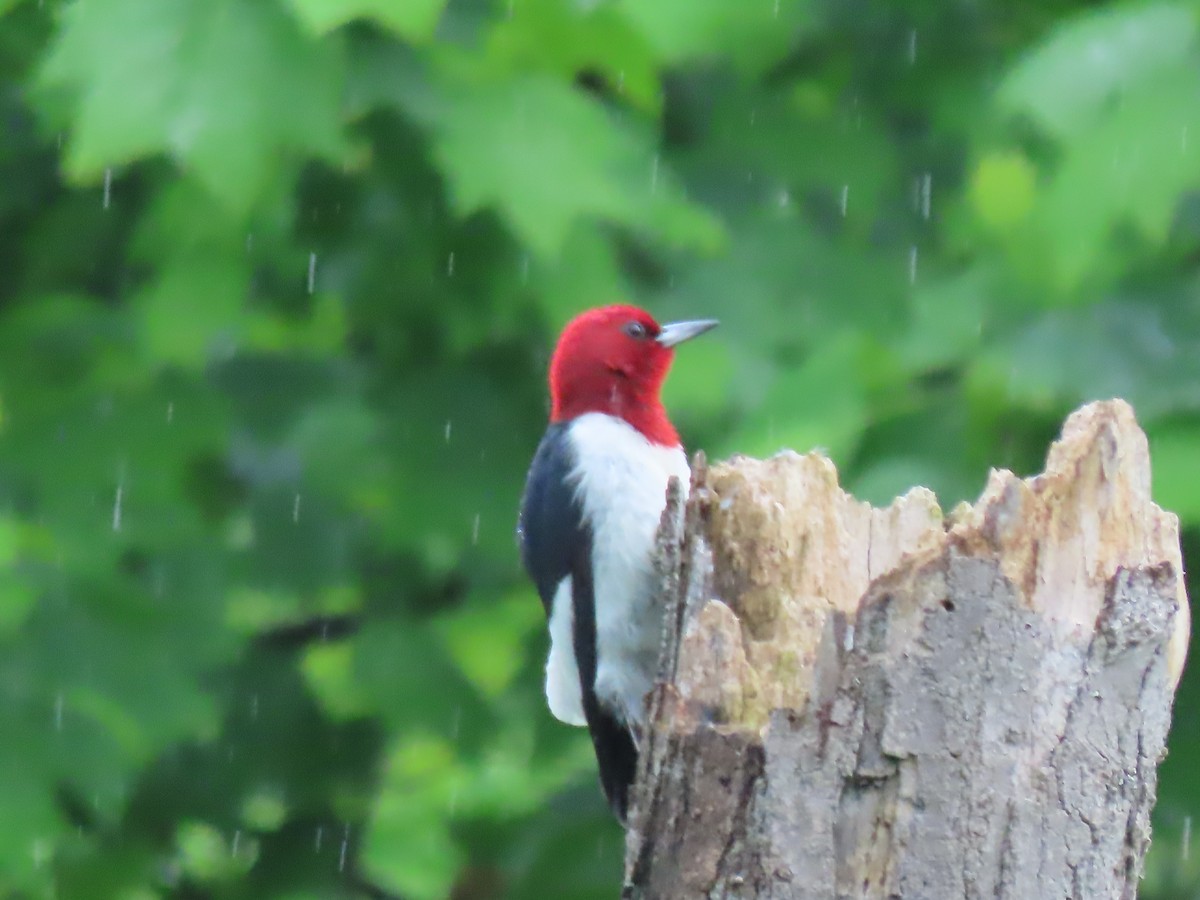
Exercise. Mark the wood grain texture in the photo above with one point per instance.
(881, 703)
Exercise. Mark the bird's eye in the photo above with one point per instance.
(636, 330)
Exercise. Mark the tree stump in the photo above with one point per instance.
(893, 703)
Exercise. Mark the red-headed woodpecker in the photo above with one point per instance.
(592, 504)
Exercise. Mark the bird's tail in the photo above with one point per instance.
(616, 755)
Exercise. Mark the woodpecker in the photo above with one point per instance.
(593, 499)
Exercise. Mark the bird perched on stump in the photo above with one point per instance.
(593, 499)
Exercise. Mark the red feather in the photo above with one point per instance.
(602, 363)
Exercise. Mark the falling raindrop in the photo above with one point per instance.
(249, 241)
(447, 432)
(318, 838)
(845, 199)
(344, 849)
(475, 530)
(450, 265)
(926, 194)
(58, 711)
(1186, 848)
(237, 839)
(912, 46)
(107, 188)
(775, 10)
(170, 412)
(296, 509)
(254, 708)
(912, 264)
(785, 198)
(525, 269)
(117, 502)
(312, 272)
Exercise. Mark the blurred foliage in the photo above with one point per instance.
(280, 280)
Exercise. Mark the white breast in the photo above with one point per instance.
(622, 480)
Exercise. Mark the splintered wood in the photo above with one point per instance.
(873, 703)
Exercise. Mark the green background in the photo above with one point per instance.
(279, 283)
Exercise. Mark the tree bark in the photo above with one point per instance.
(887, 703)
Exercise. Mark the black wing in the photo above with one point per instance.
(556, 542)
(551, 529)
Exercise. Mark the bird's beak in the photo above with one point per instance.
(678, 332)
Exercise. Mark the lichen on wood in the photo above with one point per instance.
(860, 702)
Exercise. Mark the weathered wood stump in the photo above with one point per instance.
(893, 703)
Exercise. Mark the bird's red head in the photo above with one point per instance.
(614, 360)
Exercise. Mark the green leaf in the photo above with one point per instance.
(754, 33)
(948, 316)
(329, 672)
(1115, 349)
(1173, 455)
(1071, 79)
(819, 405)
(409, 846)
(566, 37)
(428, 783)
(545, 157)
(407, 672)
(10, 541)
(414, 20)
(193, 310)
(453, 429)
(213, 83)
(31, 824)
(265, 809)
(1003, 188)
(586, 272)
(1145, 155)
(204, 854)
(17, 598)
(700, 375)
(487, 641)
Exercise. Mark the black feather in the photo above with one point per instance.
(616, 753)
(551, 529)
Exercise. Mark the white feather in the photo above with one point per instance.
(622, 483)
(562, 677)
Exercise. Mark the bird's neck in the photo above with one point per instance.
(641, 408)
